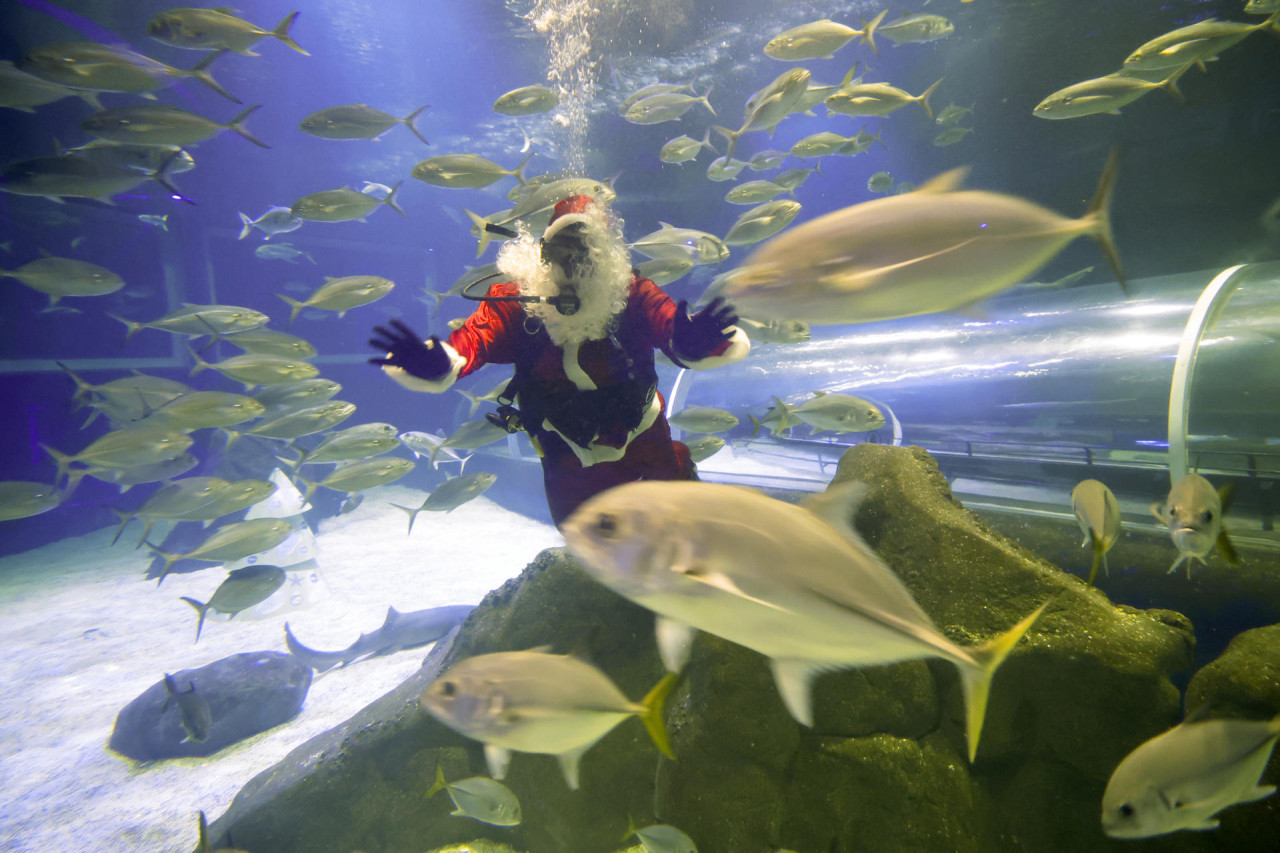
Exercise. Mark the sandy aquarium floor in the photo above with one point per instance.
(83, 633)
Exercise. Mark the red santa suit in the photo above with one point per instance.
(592, 408)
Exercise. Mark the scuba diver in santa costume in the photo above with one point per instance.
(580, 326)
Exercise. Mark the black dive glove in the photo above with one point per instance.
(698, 336)
(406, 351)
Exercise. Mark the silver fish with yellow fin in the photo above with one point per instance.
(794, 583)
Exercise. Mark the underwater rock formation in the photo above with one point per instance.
(246, 693)
(883, 768)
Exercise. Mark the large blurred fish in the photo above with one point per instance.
(795, 583)
(936, 249)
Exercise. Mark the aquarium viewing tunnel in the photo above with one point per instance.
(1034, 391)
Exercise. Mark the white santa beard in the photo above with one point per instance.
(603, 290)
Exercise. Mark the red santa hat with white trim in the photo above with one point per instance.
(567, 212)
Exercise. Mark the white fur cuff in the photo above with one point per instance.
(433, 386)
(739, 346)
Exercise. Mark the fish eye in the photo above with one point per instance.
(448, 689)
(1125, 810)
(1206, 516)
(606, 525)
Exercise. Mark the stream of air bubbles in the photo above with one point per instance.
(566, 24)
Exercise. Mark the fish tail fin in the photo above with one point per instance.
(246, 226)
(169, 559)
(90, 98)
(463, 463)
(390, 200)
(869, 33)
(200, 72)
(281, 32)
(202, 609)
(1099, 554)
(756, 423)
(82, 387)
(310, 489)
(131, 328)
(703, 99)
(652, 715)
(200, 365)
(125, 518)
(481, 224)
(731, 136)
(439, 785)
(976, 680)
(848, 75)
(924, 99)
(294, 307)
(1099, 216)
(62, 460)
(518, 171)
(408, 121)
(413, 514)
(236, 125)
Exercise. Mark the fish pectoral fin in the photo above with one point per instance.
(724, 583)
(946, 182)
(1226, 548)
(498, 758)
(569, 764)
(675, 639)
(1257, 792)
(795, 684)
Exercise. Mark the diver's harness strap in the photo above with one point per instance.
(577, 415)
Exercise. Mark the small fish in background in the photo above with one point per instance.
(215, 29)
(255, 369)
(684, 148)
(877, 99)
(161, 124)
(160, 221)
(762, 161)
(1066, 281)
(779, 418)
(880, 182)
(426, 444)
(1098, 512)
(526, 100)
(114, 68)
(820, 39)
(340, 294)
(661, 838)
(59, 277)
(754, 192)
(704, 447)
(762, 222)
(465, 171)
(657, 109)
(451, 494)
(664, 271)
(477, 400)
(360, 474)
(917, 29)
(703, 419)
(282, 252)
(839, 413)
(951, 114)
(1182, 778)
(343, 205)
(951, 135)
(229, 543)
(725, 168)
(774, 331)
(273, 221)
(479, 798)
(651, 89)
(242, 589)
(1193, 512)
(1105, 94)
(193, 710)
(538, 702)
(357, 121)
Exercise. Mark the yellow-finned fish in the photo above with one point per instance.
(1098, 512)
(1193, 512)
(794, 583)
(938, 248)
